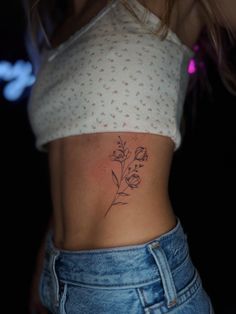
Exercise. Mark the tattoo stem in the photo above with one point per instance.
(123, 174)
(115, 198)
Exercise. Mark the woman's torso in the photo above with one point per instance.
(83, 189)
(83, 186)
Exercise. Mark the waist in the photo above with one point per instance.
(85, 228)
(88, 265)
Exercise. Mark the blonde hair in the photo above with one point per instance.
(40, 12)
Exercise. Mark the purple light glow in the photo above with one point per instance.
(192, 67)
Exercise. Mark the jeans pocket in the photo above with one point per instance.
(47, 296)
(191, 299)
(43, 289)
(100, 300)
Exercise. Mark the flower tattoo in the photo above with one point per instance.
(129, 177)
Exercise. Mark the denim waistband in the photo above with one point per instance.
(124, 266)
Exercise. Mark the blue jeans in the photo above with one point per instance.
(152, 278)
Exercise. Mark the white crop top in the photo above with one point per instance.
(112, 75)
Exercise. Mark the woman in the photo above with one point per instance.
(106, 107)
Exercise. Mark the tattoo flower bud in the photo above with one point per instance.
(133, 180)
(141, 154)
(128, 171)
(120, 155)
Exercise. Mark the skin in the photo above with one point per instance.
(87, 173)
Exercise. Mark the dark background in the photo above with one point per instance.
(202, 183)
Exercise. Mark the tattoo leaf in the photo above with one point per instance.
(123, 194)
(115, 180)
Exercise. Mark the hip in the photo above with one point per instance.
(155, 277)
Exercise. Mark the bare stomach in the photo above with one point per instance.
(110, 189)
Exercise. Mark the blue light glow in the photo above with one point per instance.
(18, 76)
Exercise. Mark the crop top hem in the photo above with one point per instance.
(41, 143)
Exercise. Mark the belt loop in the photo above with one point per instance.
(165, 273)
